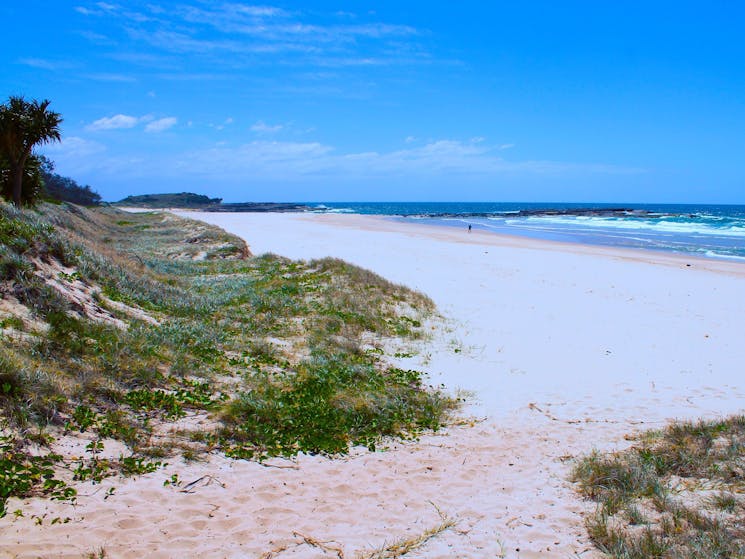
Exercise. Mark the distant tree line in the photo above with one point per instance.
(26, 177)
(65, 189)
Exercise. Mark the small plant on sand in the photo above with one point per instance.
(655, 499)
(25, 475)
(138, 465)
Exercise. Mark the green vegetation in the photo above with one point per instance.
(23, 475)
(26, 177)
(165, 334)
(180, 200)
(63, 189)
(24, 125)
(677, 494)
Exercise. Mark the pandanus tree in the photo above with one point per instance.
(24, 125)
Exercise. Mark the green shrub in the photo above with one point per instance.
(329, 403)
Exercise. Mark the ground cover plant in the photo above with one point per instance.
(132, 326)
(675, 494)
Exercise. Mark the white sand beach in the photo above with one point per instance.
(564, 348)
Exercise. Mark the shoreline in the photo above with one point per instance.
(494, 238)
(373, 222)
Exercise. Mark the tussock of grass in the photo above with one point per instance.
(656, 499)
(275, 352)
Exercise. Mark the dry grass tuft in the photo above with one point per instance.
(404, 546)
(399, 548)
(675, 495)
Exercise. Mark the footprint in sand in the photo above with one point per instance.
(130, 524)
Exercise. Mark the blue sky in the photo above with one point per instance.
(421, 101)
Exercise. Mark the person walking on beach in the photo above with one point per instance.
(469, 227)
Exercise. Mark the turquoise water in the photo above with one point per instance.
(701, 230)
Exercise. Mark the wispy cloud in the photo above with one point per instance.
(227, 122)
(108, 77)
(182, 43)
(161, 124)
(262, 127)
(114, 122)
(97, 38)
(75, 147)
(264, 31)
(45, 64)
(105, 8)
(287, 162)
(292, 160)
(78, 155)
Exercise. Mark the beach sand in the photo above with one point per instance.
(564, 348)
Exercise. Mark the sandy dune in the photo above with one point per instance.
(565, 348)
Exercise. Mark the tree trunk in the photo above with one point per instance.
(16, 178)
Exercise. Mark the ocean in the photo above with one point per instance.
(714, 231)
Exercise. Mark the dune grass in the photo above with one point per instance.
(677, 494)
(279, 356)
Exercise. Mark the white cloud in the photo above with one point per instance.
(114, 122)
(161, 124)
(262, 127)
(122, 121)
(74, 147)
